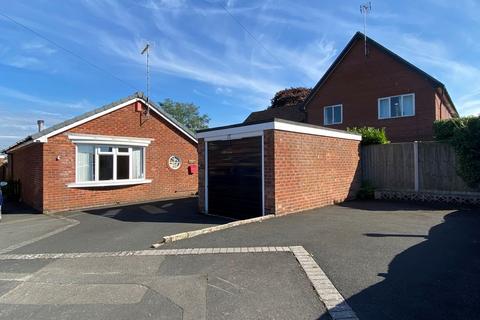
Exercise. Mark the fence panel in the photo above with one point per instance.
(392, 167)
(389, 166)
(437, 168)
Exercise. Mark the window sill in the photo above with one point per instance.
(110, 183)
(399, 117)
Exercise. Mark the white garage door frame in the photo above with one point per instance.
(235, 137)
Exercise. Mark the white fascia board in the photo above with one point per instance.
(235, 136)
(222, 134)
(110, 140)
(100, 114)
(284, 126)
(257, 129)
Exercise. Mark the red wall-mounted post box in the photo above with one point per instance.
(192, 169)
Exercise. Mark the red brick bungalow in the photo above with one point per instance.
(378, 89)
(128, 151)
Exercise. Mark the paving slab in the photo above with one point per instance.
(193, 286)
(251, 285)
(39, 293)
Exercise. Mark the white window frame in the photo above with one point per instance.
(333, 114)
(401, 96)
(115, 143)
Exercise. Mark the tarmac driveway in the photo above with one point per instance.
(133, 227)
(390, 260)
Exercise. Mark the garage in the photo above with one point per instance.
(275, 167)
(235, 177)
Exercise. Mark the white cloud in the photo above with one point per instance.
(38, 47)
(223, 90)
(24, 62)
(19, 95)
(182, 63)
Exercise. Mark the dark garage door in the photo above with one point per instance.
(235, 177)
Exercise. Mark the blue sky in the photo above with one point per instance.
(202, 55)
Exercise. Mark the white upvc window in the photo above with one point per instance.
(396, 106)
(110, 164)
(333, 114)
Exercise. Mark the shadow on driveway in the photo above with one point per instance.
(436, 279)
(386, 205)
(131, 227)
(14, 207)
(183, 210)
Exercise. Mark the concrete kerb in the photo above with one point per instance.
(194, 233)
(334, 302)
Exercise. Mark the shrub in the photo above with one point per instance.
(466, 142)
(464, 136)
(370, 135)
(445, 129)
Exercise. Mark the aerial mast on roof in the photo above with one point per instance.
(146, 51)
(365, 10)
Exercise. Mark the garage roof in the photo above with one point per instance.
(241, 130)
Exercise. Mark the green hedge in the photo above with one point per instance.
(464, 136)
(370, 135)
(445, 129)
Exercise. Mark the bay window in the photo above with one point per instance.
(109, 163)
(396, 106)
(99, 164)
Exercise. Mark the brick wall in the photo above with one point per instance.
(441, 109)
(313, 171)
(26, 165)
(58, 159)
(358, 82)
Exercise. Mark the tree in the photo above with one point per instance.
(289, 97)
(187, 114)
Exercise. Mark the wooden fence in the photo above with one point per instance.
(413, 166)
